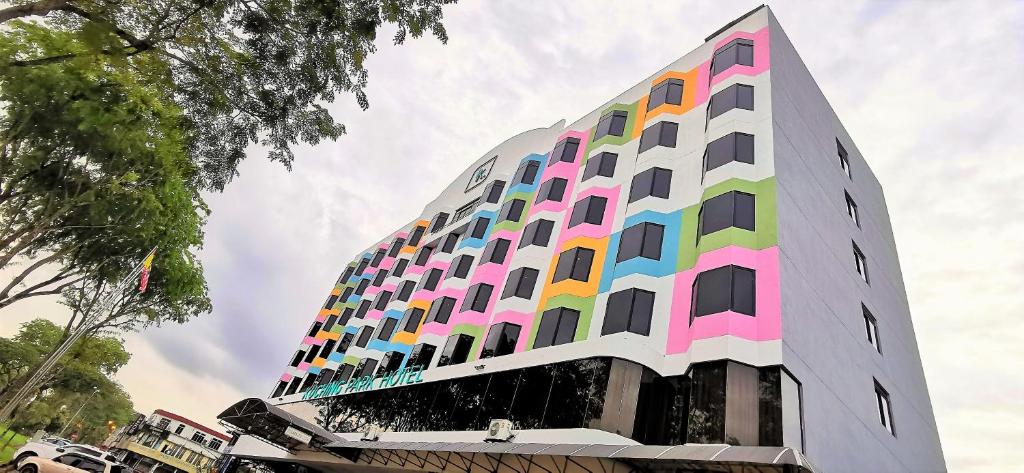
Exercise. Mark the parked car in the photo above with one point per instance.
(70, 463)
(52, 447)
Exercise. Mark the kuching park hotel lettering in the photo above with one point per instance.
(407, 375)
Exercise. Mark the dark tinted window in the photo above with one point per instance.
(325, 350)
(298, 358)
(387, 328)
(405, 290)
(411, 319)
(329, 323)
(311, 354)
(390, 363)
(629, 310)
(527, 173)
(456, 350)
(441, 310)
(366, 367)
(495, 251)
(612, 123)
(448, 242)
(731, 209)
(460, 267)
(363, 284)
(492, 193)
(346, 293)
(396, 246)
(345, 342)
(564, 151)
(537, 233)
(346, 372)
(362, 265)
(721, 289)
(477, 297)
(382, 300)
(417, 234)
(346, 314)
(332, 299)
(439, 220)
(738, 51)
(520, 283)
(512, 210)
(399, 268)
(732, 147)
(734, 96)
(378, 256)
(552, 189)
(654, 182)
(364, 336)
(423, 255)
(641, 240)
(589, 210)
(421, 355)
(501, 340)
(478, 229)
(603, 164)
(659, 134)
(557, 326)
(667, 91)
(844, 159)
(707, 403)
(364, 307)
(430, 279)
(379, 278)
(347, 274)
(575, 264)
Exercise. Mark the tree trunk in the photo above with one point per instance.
(39, 8)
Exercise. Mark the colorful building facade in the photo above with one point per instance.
(706, 259)
(166, 442)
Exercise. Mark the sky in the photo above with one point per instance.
(930, 91)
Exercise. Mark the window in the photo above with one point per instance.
(520, 283)
(363, 284)
(387, 328)
(421, 355)
(346, 372)
(477, 298)
(862, 263)
(297, 358)
(347, 274)
(844, 159)
(448, 242)
(589, 210)
(417, 234)
(734, 96)
(180, 429)
(738, 51)
(851, 209)
(430, 279)
(492, 193)
(378, 256)
(311, 355)
(456, 350)
(441, 310)
(396, 246)
(399, 268)
(537, 233)
(552, 189)
(731, 209)
(641, 240)
(736, 146)
(364, 307)
(460, 267)
(314, 329)
(557, 327)
(216, 444)
(382, 274)
(884, 408)
(574, 264)
(405, 290)
(501, 340)
(390, 363)
(722, 289)
(871, 326)
(654, 182)
(527, 173)
(330, 302)
(565, 151)
(329, 323)
(382, 300)
(325, 351)
(198, 437)
(602, 164)
(667, 91)
(495, 251)
(439, 221)
(346, 294)
(659, 134)
(364, 336)
(423, 255)
(411, 319)
(612, 123)
(345, 342)
(512, 210)
(465, 210)
(362, 265)
(346, 315)
(479, 227)
(366, 367)
(629, 310)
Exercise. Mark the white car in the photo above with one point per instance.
(52, 447)
(69, 463)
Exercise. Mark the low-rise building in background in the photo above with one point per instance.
(167, 443)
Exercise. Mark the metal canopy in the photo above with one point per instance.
(256, 417)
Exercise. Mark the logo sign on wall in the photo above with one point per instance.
(481, 173)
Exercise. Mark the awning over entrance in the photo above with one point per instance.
(256, 417)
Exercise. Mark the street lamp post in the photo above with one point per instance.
(72, 419)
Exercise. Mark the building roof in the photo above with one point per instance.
(192, 423)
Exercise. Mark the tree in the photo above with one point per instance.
(242, 71)
(94, 172)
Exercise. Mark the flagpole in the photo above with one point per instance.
(36, 379)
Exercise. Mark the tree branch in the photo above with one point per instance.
(40, 8)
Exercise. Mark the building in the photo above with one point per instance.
(167, 443)
(699, 274)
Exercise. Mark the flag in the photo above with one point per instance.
(146, 264)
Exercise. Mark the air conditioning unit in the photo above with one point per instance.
(500, 430)
(372, 434)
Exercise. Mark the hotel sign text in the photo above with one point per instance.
(407, 375)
